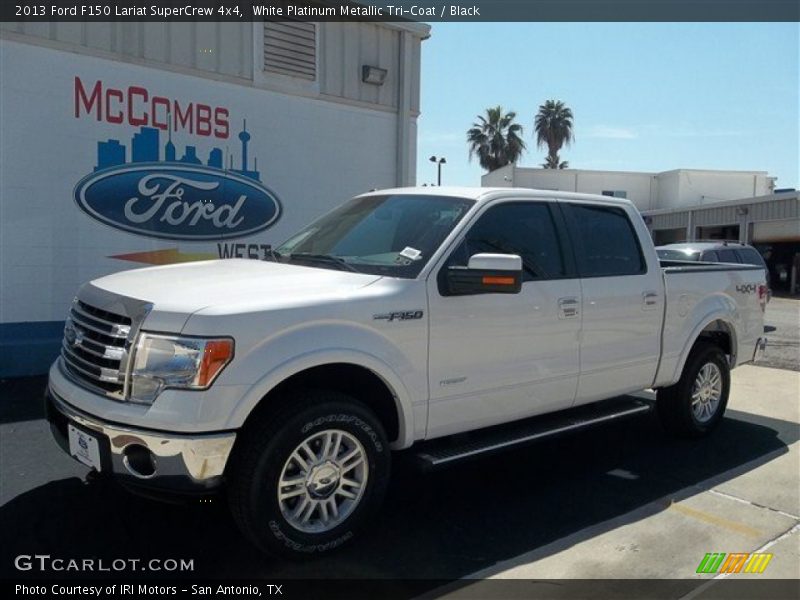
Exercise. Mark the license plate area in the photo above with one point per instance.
(84, 447)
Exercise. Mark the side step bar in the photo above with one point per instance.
(440, 452)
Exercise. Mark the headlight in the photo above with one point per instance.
(163, 361)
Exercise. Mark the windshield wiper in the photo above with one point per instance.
(272, 254)
(324, 258)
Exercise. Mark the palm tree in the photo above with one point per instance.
(496, 139)
(553, 126)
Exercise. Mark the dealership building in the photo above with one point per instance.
(689, 204)
(134, 144)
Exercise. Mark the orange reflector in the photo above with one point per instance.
(216, 356)
(489, 280)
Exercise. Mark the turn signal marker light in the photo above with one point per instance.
(217, 354)
(496, 280)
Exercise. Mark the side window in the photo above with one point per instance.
(524, 228)
(727, 255)
(606, 242)
(750, 256)
(710, 256)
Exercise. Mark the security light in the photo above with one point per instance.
(373, 75)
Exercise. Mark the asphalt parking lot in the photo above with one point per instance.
(782, 325)
(619, 501)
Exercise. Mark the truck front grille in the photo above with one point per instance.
(94, 348)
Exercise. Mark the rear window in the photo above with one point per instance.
(750, 256)
(665, 254)
(606, 243)
(728, 255)
(710, 256)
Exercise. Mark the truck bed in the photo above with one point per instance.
(695, 291)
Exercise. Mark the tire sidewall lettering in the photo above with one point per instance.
(345, 419)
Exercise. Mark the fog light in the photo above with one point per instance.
(139, 461)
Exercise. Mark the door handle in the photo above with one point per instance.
(650, 300)
(568, 308)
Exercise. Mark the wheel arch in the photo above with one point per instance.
(359, 375)
(716, 329)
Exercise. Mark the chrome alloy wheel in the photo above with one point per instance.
(706, 392)
(323, 481)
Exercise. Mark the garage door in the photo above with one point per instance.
(785, 230)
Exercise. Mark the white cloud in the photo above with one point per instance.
(611, 133)
(685, 131)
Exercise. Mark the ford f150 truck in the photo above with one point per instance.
(399, 319)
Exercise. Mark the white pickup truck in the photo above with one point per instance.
(399, 319)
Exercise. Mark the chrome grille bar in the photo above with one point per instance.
(108, 329)
(105, 374)
(95, 346)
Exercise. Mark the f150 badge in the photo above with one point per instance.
(403, 315)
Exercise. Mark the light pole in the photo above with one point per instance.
(439, 162)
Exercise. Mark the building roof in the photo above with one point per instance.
(721, 204)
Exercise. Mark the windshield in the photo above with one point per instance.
(384, 235)
(677, 255)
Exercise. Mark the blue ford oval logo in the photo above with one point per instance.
(178, 201)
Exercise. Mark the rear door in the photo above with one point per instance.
(623, 300)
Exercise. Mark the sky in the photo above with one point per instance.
(645, 96)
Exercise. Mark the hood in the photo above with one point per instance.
(226, 286)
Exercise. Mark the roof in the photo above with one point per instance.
(490, 193)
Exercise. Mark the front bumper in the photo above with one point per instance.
(181, 463)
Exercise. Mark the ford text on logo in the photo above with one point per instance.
(177, 197)
(177, 202)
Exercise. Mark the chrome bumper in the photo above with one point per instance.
(180, 462)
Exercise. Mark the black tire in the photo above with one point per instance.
(260, 460)
(674, 403)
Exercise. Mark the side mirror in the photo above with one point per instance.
(486, 274)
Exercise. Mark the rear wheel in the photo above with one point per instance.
(694, 406)
(309, 477)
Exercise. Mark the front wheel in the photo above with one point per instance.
(694, 406)
(309, 477)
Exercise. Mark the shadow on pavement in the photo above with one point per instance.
(441, 525)
(22, 399)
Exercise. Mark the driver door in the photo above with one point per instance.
(500, 357)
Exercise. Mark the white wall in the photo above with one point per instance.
(686, 187)
(648, 191)
(502, 177)
(311, 153)
(638, 186)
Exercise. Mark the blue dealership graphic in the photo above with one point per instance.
(173, 197)
(145, 147)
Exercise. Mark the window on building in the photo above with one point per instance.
(606, 243)
(523, 228)
(615, 193)
(290, 48)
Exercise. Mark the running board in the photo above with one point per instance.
(439, 452)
